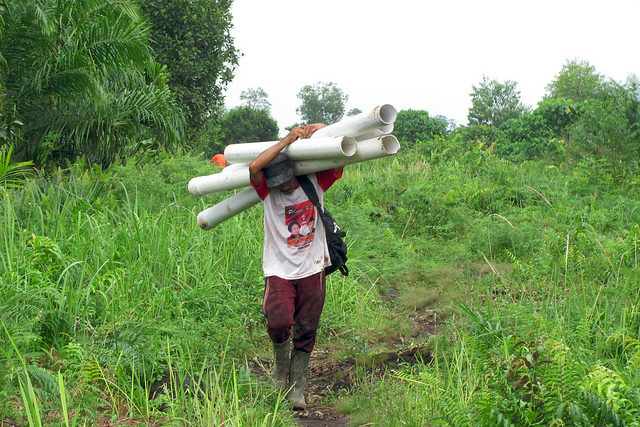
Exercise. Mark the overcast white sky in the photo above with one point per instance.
(423, 54)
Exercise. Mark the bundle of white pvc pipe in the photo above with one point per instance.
(377, 122)
(370, 149)
(355, 139)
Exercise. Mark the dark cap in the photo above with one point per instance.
(278, 171)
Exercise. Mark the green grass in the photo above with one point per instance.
(106, 281)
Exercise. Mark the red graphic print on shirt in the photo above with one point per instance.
(300, 220)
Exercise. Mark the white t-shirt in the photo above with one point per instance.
(294, 237)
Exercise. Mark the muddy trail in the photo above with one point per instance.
(327, 377)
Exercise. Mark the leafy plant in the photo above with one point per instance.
(193, 40)
(493, 103)
(13, 175)
(245, 124)
(413, 126)
(83, 71)
(321, 103)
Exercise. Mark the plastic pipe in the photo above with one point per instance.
(370, 149)
(237, 175)
(215, 215)
(362, 125)
(375, 132)
(302, 149)
(232, 177)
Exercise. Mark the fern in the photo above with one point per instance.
(564, 377)
(91, 371)
(43, 381)
(607, 394)
(601, 413)
(446, 409)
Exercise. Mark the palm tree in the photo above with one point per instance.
(13, 174)
(80, 76)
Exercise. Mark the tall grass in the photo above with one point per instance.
(97, 275)
(547, 328)
(106, 282)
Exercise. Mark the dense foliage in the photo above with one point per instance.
(493, 103)
(578, 80)
(583, 116)
(529, 271)
(192, 38)
(79, 80)
(321, 103)
(413, 126)
(245, 124)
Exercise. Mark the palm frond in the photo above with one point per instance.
(13, 174)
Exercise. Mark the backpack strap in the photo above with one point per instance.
(311, 193)
(335, 244)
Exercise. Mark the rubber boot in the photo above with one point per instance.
(298, 378)
(281, 354)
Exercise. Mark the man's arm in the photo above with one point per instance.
(255, 168)
(302, 132)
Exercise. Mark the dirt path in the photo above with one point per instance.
(327, 376)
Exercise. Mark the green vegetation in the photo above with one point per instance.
(246, 124)
(321, 103)
(515, 238)
(78, 79)
(192, 39)
(493, 103)
(529, 269)
(105, 80)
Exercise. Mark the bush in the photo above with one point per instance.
(245, 124)
(413, 126)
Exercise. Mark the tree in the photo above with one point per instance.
(608, 126)
(493, 103)
(354, 112)
(80, 80)
(415, 125)
(192, 38)
(245, 124)
(321, 103)
(577, 81)
(256, 99)
(633, 84)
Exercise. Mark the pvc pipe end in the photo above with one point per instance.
(203, 222)
(386, 128)
(388, 113)
(193, 187)
(390, 144)
(349, 146)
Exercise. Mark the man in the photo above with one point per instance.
(294, 273)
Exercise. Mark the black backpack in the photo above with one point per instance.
(335, 236)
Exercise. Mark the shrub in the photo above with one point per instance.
(245, 124)
(413, 126)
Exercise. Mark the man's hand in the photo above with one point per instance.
(298, 132)
(311, 129)
(256, 166)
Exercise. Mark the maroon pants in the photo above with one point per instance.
(296, 303)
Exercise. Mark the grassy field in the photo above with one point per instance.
(528, 271)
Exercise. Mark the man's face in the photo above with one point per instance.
(289, 186)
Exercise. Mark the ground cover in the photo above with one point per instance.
(510, 283)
